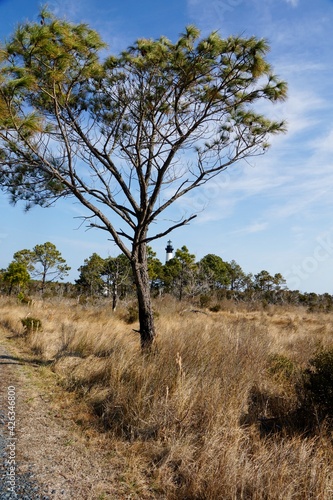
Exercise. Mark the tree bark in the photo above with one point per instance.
(146, 317)
(43, 281)
(114, 293)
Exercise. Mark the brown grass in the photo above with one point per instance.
(186, 417)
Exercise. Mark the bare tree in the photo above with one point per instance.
(130, 135)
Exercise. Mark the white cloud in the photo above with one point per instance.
(255, 227)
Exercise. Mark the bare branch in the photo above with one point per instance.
(176, 226)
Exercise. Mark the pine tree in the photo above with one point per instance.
(113, 133)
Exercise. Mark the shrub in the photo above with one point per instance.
(280, 366)
(31, 324)
(23, 299)
(205, 300)
(132, 315)
(318, 381)
(215, 308)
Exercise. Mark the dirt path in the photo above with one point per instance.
(55, 435)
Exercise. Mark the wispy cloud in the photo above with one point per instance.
(255, 227)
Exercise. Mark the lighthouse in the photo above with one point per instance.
(169, 251)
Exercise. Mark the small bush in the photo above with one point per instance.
(132, 315)
(319, 381)
(216, 308)
(280, 366)
(205, 300)
(23, 299)
(31, 324)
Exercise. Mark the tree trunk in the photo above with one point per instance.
(114, 294)
(146, 318)
(43, 281)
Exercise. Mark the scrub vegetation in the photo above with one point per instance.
(233, 404)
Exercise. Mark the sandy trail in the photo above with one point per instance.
(67, 460)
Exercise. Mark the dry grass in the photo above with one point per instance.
(185, 418)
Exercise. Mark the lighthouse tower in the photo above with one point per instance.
(169, 251)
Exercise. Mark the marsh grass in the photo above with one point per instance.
(186, 418)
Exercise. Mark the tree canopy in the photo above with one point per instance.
(90, 279)
(215, 271)
(16, 275)
(44, 261)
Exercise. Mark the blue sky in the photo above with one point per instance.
(274, 212)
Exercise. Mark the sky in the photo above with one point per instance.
(273, 212)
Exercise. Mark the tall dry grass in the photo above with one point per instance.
(188, 414)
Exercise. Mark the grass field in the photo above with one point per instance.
(216, 411)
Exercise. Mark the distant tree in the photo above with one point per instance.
(264, 282)
(279, 281)
(44, 262)
(113, 133)
(180, 272)
(90, 279)
(25, 257)
(16, 276)
(117, 274)
(155, 269)
(237, 277)
(214, 271)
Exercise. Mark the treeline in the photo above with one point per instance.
(207, 281)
